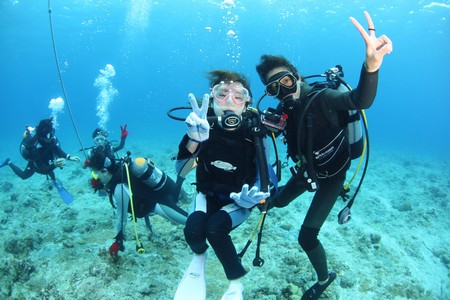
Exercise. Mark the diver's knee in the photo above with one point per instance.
(218, 226)
(195, 222)
(307, 238)
(194, 232)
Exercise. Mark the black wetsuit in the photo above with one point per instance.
(329, 108)
(226, 161)
(41, 157)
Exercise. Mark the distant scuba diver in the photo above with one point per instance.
(44, 154)
(100, 137)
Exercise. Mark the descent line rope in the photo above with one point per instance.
(61, 79)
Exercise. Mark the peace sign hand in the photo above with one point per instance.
(376, 48)
(197, 124)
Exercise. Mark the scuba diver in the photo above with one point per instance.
(317, 141)
(42, 150)
(100, 137)
(138, 187)
(227, 178)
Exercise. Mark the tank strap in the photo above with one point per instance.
(354, 117)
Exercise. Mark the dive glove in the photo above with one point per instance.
(117, 245)
(197, 124)
(124, 134)
(249, 198)
(59, 163)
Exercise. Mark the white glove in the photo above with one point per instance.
(197, 124)
(247, 198)
(59, 163)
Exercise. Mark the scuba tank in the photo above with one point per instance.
(355, 132)
(29, 141)
(146, 171)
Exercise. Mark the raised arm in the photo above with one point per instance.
(376, 47)
(197, 132)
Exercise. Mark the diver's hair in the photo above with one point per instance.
(98, 158)
(216, 76)
(270, 62)
(45, 126)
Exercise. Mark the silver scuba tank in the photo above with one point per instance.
(354, 127)
(355, 134)
(145, 170)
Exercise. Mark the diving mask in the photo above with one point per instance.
(282, 83)
(223, 91)
(100, 140)
(47, 136)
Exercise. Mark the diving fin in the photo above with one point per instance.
(193, 285)
(314, 292)
(65, 196)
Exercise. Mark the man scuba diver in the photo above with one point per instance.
(317, 140)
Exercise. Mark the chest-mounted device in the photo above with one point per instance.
(273, 120)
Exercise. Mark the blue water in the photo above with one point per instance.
(161, 50)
